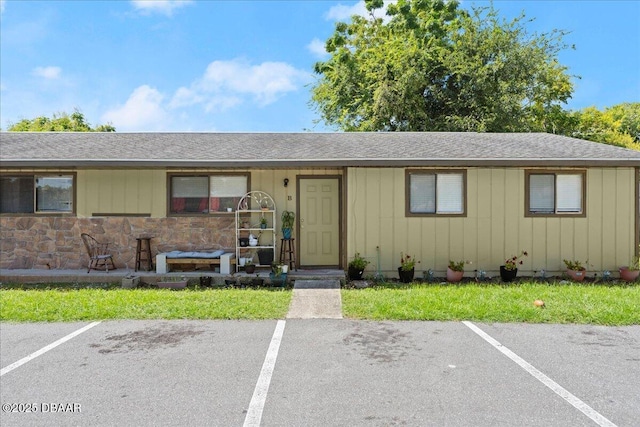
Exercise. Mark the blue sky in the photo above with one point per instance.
(244, 65)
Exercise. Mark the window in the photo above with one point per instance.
(555, 193)
(435, 193)
(203, 194)
(37, 193)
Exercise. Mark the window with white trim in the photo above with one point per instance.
(204, 194)
(555, 193)
(36, 193)
(435, 193)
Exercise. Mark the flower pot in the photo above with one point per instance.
(286, 233)
(507, 275)
(250, 269)
(354, 273)
(205, 281)
(406, 276)
(280, 280)
(576, 275)
(263, 226)
(628, 275)
(454, 276)
(257, 282)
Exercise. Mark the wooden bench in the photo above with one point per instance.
(211, 262)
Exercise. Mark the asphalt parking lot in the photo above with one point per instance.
(318, 372)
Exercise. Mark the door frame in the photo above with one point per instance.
(341, 227)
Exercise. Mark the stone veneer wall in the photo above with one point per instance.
(55, 243)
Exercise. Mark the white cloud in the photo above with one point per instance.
(341, 12)
(317, 48)
(165, 7)
(226, 84)
(48, 73)
(143, 110)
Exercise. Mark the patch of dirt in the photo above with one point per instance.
(379, 342)
(147, 339)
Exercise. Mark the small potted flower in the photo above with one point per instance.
(407, 268)
(249, 266)
(575, 269)
(263, 223)
(455, 271)
(509, 270)
(632, 271)
(356, 267)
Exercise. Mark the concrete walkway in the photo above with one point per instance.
(316, 299)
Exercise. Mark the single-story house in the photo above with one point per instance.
(478, 197)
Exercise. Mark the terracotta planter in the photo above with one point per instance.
(454, 276)
(577, 275)
(406, 276)
(507, 275)
(628, 275)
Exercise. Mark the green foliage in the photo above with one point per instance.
(59, 123)
(435, 67)
(456, 265)
(358, 262)
(617, 125)
(407, 262)
(574, 265)
(287, 219)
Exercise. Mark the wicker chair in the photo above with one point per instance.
(99, 255)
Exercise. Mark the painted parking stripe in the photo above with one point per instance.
(555, 387)
(43, 350)
(254, 413)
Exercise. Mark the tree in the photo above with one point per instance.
(59, 123)
(617, 125)
(434, 67)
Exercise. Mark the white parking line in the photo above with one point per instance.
(555, 387)
(254, 413)
(43, 350)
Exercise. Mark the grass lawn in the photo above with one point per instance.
(62, 305)
(564, 303)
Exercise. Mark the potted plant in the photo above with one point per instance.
(632, 271)
(356, 267)
(265, 256)
(575, 269)
(257, 281)
(287, 224)
(249, 266)
(263, 223)
(509, 270)
(277, 276)
(407, 268)
(455, 271)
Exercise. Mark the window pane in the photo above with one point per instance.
(422, 193)
(226, 192)
(450, 198)
(569, 188)
(541, 193)
(189, 194)
(54, 194)
(16, 194)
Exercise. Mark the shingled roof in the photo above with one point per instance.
(65, 149)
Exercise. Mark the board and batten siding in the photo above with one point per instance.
(495, 226)
(144, 191)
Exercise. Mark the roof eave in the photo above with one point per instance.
(296, 163)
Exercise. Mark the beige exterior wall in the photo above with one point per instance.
(495, 226)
